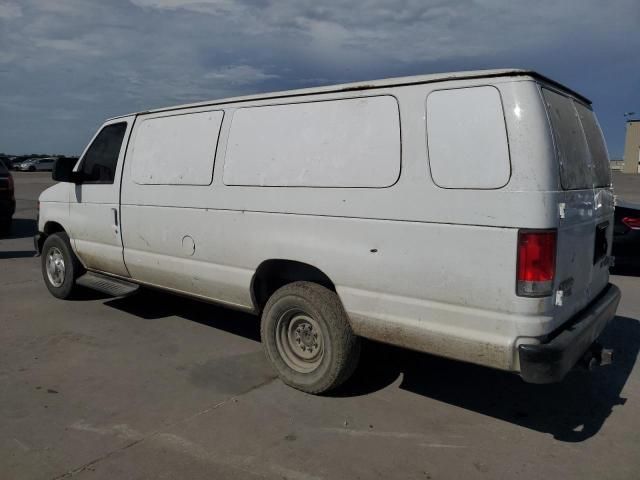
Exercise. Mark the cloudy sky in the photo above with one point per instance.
(65, 65)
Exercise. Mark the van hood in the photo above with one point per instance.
(56, 193)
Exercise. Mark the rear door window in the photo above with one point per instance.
(580, 148)
(597, 146)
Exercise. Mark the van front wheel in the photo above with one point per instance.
(307, 337)
(60, 266)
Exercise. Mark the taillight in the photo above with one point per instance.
(536, 262)
(632, 222)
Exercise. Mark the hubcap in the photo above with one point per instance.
(299, 341)
(55, 266)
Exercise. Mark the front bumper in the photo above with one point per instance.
(549, 362)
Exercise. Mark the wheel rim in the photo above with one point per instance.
(299, 341)
(55, 266)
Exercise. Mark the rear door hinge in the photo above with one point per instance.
(561, 209)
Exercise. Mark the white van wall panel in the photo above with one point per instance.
(340, 143)
(533, 164)
(524, 201)
(175, 149)
(402, 277)
(467, 138)
(413, 260)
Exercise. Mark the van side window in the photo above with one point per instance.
(347, 143)
(175, 149)
(100, 161)
(467, 138)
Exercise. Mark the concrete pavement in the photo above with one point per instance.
(158, 386)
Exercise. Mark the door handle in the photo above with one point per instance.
(115, 216)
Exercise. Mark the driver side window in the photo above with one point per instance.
(100, 162)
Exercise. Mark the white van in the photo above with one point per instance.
(467, 215)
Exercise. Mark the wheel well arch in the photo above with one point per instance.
(50, 227)
(275, 273)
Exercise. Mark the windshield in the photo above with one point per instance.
(580, 148)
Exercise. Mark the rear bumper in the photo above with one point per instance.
(549, 362)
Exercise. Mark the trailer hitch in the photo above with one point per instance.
(596, 356)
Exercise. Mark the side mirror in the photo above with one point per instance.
(63, 171)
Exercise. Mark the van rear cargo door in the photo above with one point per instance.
(586, 206)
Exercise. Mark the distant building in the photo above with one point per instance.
(632, 147)
(616, 164)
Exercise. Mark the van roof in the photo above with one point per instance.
(373, 84)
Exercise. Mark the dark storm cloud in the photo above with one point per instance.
(65, 65)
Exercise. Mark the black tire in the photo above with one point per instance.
(54, 244)
(336, 351)
(5, 225)
(32, 169)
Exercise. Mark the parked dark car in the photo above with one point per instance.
(6, 161)
(626, 235)
(7, 199)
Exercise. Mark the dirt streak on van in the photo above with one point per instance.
(467, 214)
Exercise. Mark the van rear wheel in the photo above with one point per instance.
(60, 266)
(307, 337)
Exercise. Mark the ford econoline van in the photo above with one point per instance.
(467, 215)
